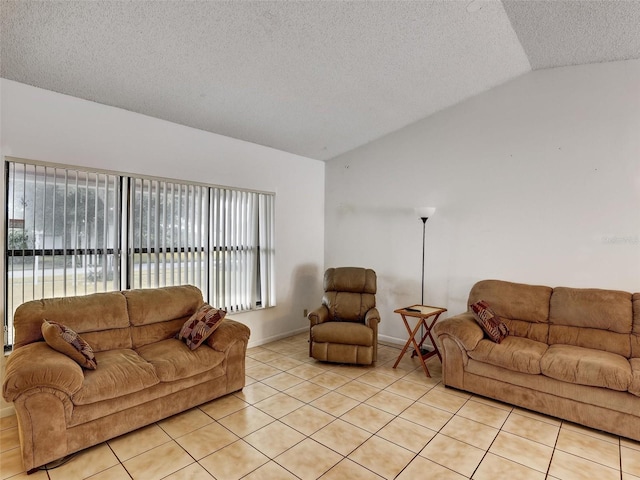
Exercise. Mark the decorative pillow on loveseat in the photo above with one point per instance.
(64, 340)
(201, 325)
(491, 323)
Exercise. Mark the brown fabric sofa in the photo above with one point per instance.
(571, 353)
(143, 373)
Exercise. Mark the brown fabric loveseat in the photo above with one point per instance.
(571, 353)
(143, 374)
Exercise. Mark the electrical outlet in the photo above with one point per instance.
(305, 312)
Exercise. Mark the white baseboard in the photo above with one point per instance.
(393, 340)
(263, 341)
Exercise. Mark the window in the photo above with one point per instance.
(73, 231)
(168, 234)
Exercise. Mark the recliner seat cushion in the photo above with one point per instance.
(586, 366)
(347, 333)
(336, 352)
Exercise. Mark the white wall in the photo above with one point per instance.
(536, 181)
(42, 125)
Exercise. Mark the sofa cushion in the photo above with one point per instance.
(591, 318)
(201, 325)
(513, 353)
(514, 300)
(173, 360)
(153, 305)
(522, 389)
(156, 332)
(586, 366)
(349, 333)
(492, 325)
(609, 310)
(592, 338)
(79, 314)
(121, 372)
(65, 340)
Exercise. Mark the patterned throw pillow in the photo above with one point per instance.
(492, 325)
(65, 340)
(201, 325)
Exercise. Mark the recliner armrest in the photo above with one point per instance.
(319, 315)
(372, 318)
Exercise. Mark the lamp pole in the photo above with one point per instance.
(424, 213)
(424, 227)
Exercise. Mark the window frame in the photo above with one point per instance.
(261, 285)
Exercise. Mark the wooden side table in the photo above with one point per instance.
(427, 317)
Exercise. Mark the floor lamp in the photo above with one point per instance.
(424, 213)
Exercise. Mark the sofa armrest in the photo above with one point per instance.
(227, 334)
(372, 318)
(463, 328)
(38, 365)
(319, 315)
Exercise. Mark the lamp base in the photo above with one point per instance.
(423, 351)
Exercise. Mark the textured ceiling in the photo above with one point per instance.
(316, 78)
(559, 33)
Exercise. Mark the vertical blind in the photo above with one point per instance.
(242, 254)
(168, 234)
(74, 231)
(62, 232)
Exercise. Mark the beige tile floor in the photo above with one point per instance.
(300, 419)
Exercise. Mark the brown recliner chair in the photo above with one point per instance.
(345, 328)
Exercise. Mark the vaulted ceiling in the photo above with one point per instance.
(315, 78)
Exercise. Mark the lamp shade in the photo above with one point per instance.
(425, 212)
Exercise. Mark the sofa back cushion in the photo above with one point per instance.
(159, 313)
(100, 318)
(524, 308)
(592, 318)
